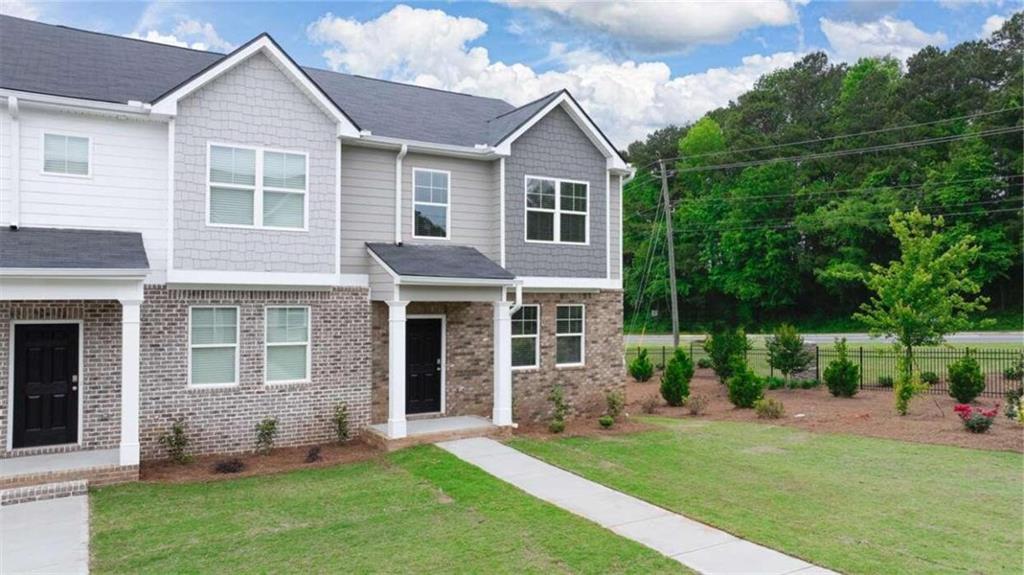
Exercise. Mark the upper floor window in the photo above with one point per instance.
(67, 155)
(430, 203)
(556, 210)
(257, 187)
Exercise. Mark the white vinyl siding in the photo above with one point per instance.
(251, 187)
(213, 346)
(66, 155)
(570, 326)
(431, 203)
(526, 337)
(287, 332)
(557, 211)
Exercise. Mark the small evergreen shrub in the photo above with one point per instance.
(697, 404)
(340, 419)
(176, 442)
(556, 426)
(842, 376)
(885, 381)
(809, 383)
(768, 408)
(774, 382)
(266, 431)
(313, 455)
(786, 351)
(966, 381)
(641, 367)
(745, 387)
(726, 350)
(650, 404)
(606, 421)
(704, 363)
(560, 410)
(675, 382)
(616, 401)
(233, 465)
(976, 420)
(929, 378)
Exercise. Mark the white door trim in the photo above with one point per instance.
(444, 356)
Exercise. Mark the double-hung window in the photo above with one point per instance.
(569, 335)
(213, 342)
(254, 187)
(556, 210)
(66, 155)
(287, 344)
(526, 337)
(430, 203)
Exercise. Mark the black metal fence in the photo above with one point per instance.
(878, 367)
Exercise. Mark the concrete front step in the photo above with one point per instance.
(98, 467)
(433, 430)
(42, 492)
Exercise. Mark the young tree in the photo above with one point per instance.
(924, 295)
(727, 350)
(786, 351)
(675, 382)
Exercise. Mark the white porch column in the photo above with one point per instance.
(502, 364)
(396, 369)
(129, 452)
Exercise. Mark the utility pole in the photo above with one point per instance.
(671, 254)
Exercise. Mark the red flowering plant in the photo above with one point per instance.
(976, 420)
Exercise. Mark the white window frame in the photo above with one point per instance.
(267, 345)
(237, 346)
(63, 134)
(536, 337)
(258, 189)
(557, 211)
(447, 206)
(582, 335)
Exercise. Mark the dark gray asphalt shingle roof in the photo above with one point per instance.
(49, 248)
(438, 261)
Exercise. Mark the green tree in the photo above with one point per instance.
(727, 350)
(675, 382)
(786, 351)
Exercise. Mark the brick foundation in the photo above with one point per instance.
(95, 476)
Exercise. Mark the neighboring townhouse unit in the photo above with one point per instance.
(226, 238)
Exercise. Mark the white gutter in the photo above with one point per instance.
(479, 152)
(15, 147)
(398, 192)
(449, 281)
(79, 104)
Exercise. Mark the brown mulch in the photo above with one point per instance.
(583, 427)
(870, 413)
(278, 460)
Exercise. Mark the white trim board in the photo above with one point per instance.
(538, 283)
(266, 279)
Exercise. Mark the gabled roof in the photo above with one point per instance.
(458, 262)
(57, 249)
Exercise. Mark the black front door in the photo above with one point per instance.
(45, 401)
(422, 365)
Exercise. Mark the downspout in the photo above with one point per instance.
(519, 297)
(15, 150)
(398, 192)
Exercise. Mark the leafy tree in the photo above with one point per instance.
(786, 351)
(675, 382)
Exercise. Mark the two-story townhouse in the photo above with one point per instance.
(226, 238)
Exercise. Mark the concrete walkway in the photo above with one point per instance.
(50, 536)
(695, 545)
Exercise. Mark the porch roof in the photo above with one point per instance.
(64, 250)
(408, 261)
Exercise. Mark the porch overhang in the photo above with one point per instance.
(409, 272)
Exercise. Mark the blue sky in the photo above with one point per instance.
(635, 66)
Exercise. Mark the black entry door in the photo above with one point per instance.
(422, 365)
(45, 401)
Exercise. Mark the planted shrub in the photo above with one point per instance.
(1013, 403)
(786, 351)
(842, 376)
(885, 381)
(697, 404)
(929, 377)
(641, 367)
(745, 387)
(768, 408)
(976, 420)
(966, 381)
(313, 454)
(809, 383)
(650, 404)
(266, 431)
(675, 382)
(616, 401)
(560, 410)
(340, 419)
(233, 465)
(907, 385)
(176, 442)
(606, 421)
(1015, 372)
(726, 350)
(774, 382)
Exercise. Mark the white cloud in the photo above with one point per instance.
(885, 37)
(627, 99)
(188, 34)
(958, 4)
(991, 25)
(666, 26)
(20, 9)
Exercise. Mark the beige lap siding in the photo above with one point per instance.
(100, 380)
(223, 420)
(469, 386)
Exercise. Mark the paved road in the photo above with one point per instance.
(965, 337)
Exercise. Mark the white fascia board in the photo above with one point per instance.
(539, 283)
(420, 147)
(167, 105)
(71, 288)
(276, 279)
(446, 281)
(83, 273)
(576, 113)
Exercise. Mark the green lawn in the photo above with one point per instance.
(419, 510)
(854, 504)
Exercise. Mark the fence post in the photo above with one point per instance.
(663, 364)
(817, 363)
(862, 367)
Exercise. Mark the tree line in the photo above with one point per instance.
(781, 200)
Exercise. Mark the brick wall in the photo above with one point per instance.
(223, 420)
(100, 380)
(469, 384)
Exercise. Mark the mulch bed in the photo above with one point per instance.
(582, 427)
(278, 460)
(870, 413)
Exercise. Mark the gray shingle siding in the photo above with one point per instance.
(555, 147)
(253, 105)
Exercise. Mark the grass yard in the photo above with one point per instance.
(418, 510)
(853, 504)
